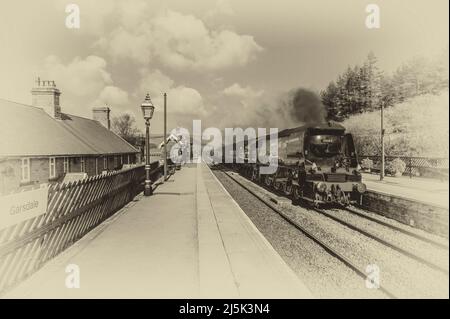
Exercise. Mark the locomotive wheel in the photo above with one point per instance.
(297, 194)
(269, 180)
(342, 198)
(288, 188)
(277, 185)
(254, 175)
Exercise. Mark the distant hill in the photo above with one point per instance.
(416, 127)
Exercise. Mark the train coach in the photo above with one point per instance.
(316, 163)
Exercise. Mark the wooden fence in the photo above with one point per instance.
(73, 210)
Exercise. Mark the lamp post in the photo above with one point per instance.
(147, 111)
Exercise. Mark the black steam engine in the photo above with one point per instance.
(316, 163)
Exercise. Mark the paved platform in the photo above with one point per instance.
(189, 240)
(426, 190)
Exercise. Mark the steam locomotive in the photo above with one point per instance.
(316, 163)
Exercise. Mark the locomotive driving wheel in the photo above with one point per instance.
(288, 188)
(277, 185)
(268, 180)
(342, 198)
(254, 174)
(297, 193)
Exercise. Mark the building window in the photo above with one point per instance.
(25, 166)
(52, 167)
(96, 166)
(82, 164)
(128, 158)
(121, 160)
(105, 162)
(66, 164)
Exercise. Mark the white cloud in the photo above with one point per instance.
(80, 77)
(112, 96)
(123, 44)
(236, 90)
(220, 13)
(179, 41)
(180, 98)
(154, 82)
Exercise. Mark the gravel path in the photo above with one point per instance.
(327, 276)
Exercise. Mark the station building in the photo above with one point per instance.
(41, 144)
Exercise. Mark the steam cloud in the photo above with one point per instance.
(305, 106)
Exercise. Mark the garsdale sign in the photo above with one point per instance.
(17, 207)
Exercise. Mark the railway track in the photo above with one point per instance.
(383, 241)
(399, 229)
(329, 249)
(389, 244)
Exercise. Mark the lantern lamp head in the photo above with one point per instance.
(147, 108)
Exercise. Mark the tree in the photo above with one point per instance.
(370, 84)
(124, 125)
(329, 96)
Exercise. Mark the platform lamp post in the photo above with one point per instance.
(147, 111)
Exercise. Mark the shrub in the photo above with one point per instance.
(396, 166)
(367, 163)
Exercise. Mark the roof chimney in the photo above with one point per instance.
(101, 114)
(46, 96)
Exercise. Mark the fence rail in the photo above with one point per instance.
(73, 210)
(415, 166)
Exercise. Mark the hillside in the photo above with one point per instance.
(416, 127)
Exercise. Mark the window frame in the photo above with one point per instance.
(28, 171)
(66, 164)
(51, 164)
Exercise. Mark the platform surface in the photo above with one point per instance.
(426, 190)
(189, 240)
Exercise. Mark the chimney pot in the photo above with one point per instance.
(47, 97)
(101, 114)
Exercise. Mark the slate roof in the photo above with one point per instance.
(29, 131)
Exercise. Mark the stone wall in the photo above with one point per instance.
(433, 219)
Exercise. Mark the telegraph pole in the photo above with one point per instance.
(382, 142)
(165, 136)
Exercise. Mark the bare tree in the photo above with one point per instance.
(125, 126)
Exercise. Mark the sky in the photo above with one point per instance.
(226, 62)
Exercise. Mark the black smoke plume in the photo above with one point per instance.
(305, 106)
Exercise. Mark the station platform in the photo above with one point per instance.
(189, 240)
(425, 190)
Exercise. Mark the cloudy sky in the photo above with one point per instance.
(221, 61)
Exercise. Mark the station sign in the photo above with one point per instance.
(21, 206)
